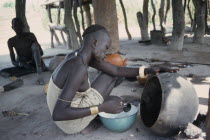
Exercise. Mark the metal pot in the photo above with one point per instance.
(168, 103)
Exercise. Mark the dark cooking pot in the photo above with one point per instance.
(168, 103)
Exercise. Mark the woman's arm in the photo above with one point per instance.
(12, 54)
(63, 111)
(125, 71)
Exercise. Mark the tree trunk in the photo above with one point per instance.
(68, 21)
(75, 4)
(161, 14)
(143, 26)
(208, 120)
(168, 5)
(178, 25)
(154, 13)
(125, 18)
(106, 15)
(86, 8)
(143, 21)
(190, 13)
(200, 10)
(20, 7)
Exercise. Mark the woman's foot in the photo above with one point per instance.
(94, 124)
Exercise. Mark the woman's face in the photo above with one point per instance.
(101, 46)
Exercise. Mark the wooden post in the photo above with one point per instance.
(75, 4)
(200, 10)
(53, 33)
(59, 14)
(185, 3)
(86, 8)
(143, 21)
(106, 15)
(208, 120)
(59, 21)
(68, 21)
(51, 30)
(161, 14)
(154, 13)
(206, 16)
(20, 8)
(82, 14)
(168, 5)
(190, 13)
(125, 18)
(178, 25)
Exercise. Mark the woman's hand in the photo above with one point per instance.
(112, 105)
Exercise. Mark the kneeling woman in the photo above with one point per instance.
(72, 100)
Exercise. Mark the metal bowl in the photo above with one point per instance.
(119, 122)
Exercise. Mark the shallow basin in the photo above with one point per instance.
(119, 122)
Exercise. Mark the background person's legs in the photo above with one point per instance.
(37, 58)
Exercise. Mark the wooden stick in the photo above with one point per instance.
(125, 18)
(76, 20)
(154, 13)
(208, 120)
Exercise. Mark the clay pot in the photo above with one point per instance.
(115, 59)
(168, 103)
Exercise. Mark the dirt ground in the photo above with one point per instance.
(30, 98)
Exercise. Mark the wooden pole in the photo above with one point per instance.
(75, 4)
(143, 21)
(68, 21)
(208, 120)
(154, 13)
(161, 14)
(53, 33)
(185, 3)
(82, 14)
(86, 8)
(190, 13)
(125, 18)
(59, 14)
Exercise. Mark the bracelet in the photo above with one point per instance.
(94, 110)
(141, 72)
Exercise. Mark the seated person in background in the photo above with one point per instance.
(27, 49)
(74, 102)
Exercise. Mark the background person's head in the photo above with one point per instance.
(98, 38)
(17, 25)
